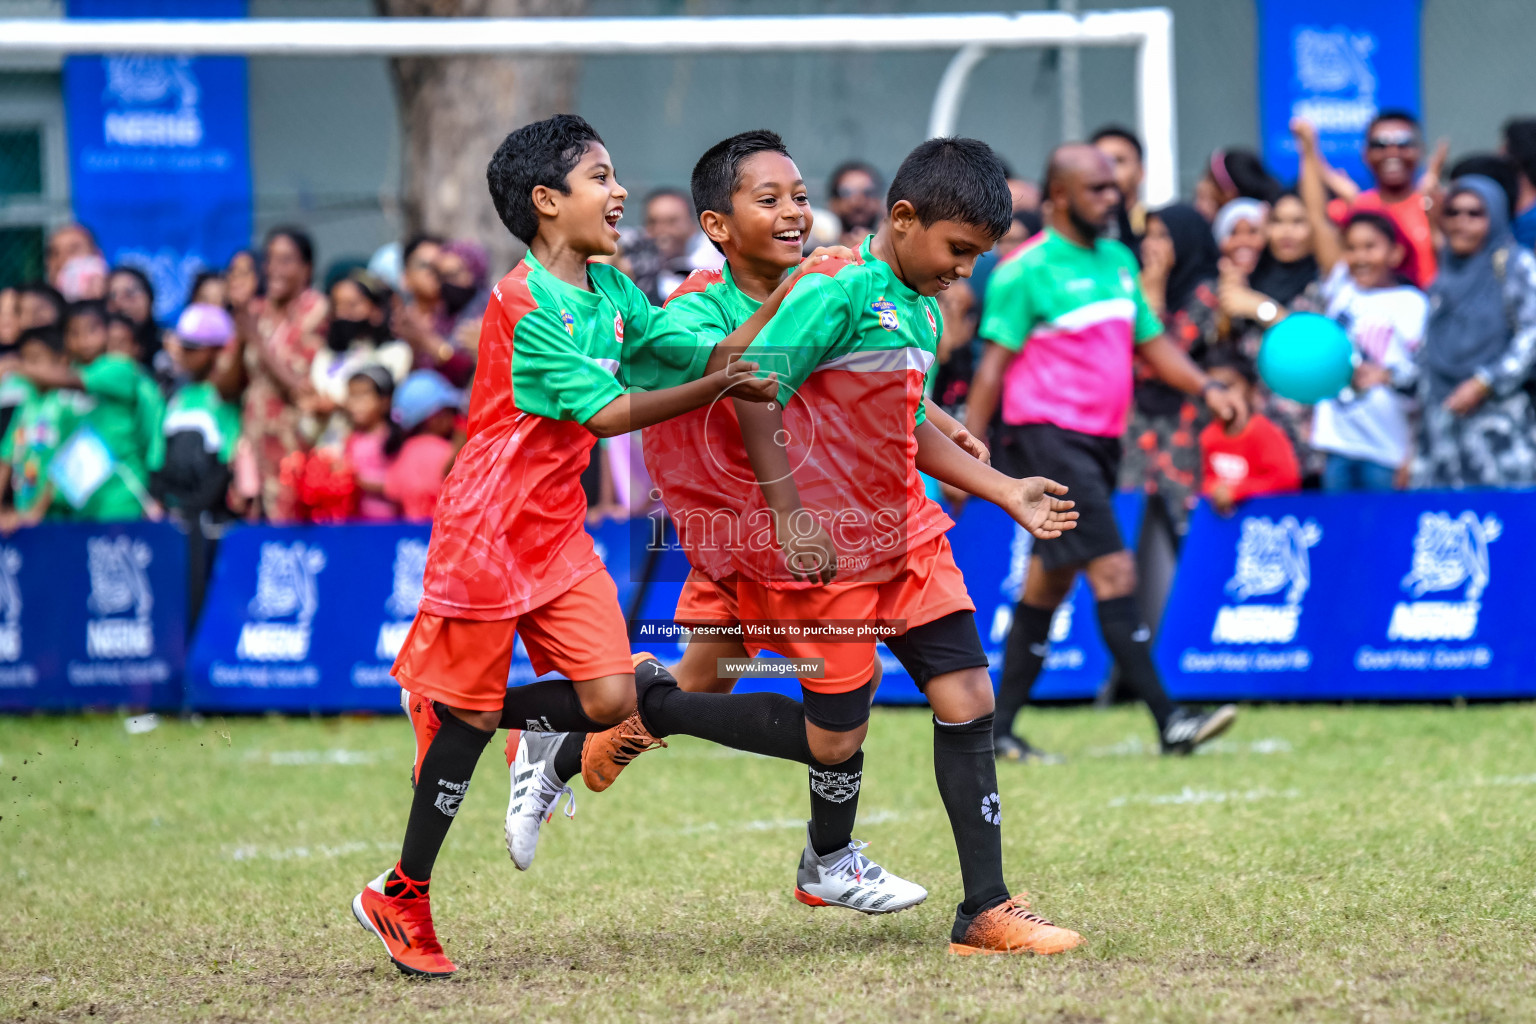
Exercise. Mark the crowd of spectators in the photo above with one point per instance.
(284, 396)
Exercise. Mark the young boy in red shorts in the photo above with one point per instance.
(509, 555)
(840, 498)
(753, 206)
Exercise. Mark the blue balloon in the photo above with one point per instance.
(1306, 358)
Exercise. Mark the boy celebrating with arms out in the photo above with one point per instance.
(857, 340)
(509, 556)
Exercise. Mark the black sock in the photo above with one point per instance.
(1130, 643)
(550, 706)
(445, 774)
(1023, 658)
(834, 803)
(567, 761)
(967, 777)
(761, 723)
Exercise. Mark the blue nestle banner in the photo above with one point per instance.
(1334, 63)
(1355, 597)
(92, 616)
(159, 151)
(311, 618)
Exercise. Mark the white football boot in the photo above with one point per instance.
(847, 878)
(535, 792)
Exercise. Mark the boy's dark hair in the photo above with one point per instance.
(1377, 221)
(86, 308)
(118, 318)
(48, 293)
(298, 236)
(1225, 357)
(1491, 165)
(1520, 144)
(541, 153)
(1393, 114)
(48, 335)
(717, 175)
(955, 179)
(848, 167)
(1115, 131)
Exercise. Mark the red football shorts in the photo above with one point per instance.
(929, 587)
(464, 663)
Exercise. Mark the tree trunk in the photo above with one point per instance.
(454, 112)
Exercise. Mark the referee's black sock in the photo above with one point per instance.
(760, 723)
(834, 802)
(967, 775)
(444, 779)
(1130, 643)
(550, 706)
(1023, 658)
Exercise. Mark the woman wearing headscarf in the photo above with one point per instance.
(1479, 347)
(1162, 453)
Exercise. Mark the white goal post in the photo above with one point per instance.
(1149, 30)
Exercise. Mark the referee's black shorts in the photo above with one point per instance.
(1089, 465)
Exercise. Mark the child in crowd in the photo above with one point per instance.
(1256, 460)
(1366, 432)
(117, 410)
(42, 421)
(425, 409)
(370, 391)
(202, 424)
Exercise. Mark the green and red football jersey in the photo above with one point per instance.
(852, 346)
(508, 534)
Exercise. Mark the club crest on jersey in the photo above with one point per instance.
(569, 321)
(933, 324)
(886, 311)
(618, 328)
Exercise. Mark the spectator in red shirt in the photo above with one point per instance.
(425, 411)
(1393, 149)
(1256, 460)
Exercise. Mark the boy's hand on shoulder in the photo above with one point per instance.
(834, 252)
(1036, 504)
(808, 549)
(739, 380)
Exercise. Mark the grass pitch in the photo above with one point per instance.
(1318, 864)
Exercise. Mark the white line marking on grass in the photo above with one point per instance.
(252, 851)
(1135, 746)
(1187, 795)
(775, 824)
(307, 758)
(1508, 780)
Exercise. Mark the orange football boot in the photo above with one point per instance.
(604, 754)
(404, 924)
(1011, 927)
(424, 723)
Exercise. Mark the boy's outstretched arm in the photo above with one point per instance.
(634, 410)
(808, 550)
(1033, 502)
